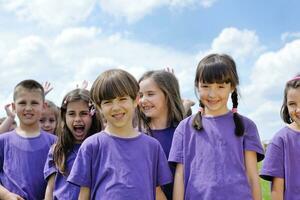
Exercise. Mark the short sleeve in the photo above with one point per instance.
(273, 164)
(164, 175)
(176, 152)
(81, 174)
(252, 141)
(49, 167)
(1, 153)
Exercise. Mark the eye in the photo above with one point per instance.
(84, 113)
(42, 120)
(70, 114)
(123, 98)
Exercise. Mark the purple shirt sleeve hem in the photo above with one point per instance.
(78, 182)
(270, 175)
(49, 172)
(260, 153)
(164, 182)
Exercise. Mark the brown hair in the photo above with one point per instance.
(65, 141)
(168, 84)
(30, 85)
(284, 112)
(218, 68)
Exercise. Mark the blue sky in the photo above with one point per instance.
(66, 42)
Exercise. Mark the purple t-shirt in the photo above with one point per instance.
(165, 137)
(22, 162)
(120, 168)
(283, 161)
(213, 158)
(62, 188)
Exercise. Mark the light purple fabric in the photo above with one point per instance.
(213, 158)
(62, 188)
(22, 162)
(283, 161)
(118, 168)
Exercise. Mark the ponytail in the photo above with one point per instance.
(197, 122)
(239, 125)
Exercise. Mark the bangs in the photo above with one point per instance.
(215, 74)
(111, 89)
(112, 84)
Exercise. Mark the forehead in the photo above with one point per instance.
(77, 105)
(48, 112)
(293, 94)
(29, 95)
(148, 85)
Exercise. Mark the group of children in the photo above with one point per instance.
(128, 139)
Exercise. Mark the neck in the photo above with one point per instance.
(28, 131)
(121, 132)
(160, 122)
(295, 126)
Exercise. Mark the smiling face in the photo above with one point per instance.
(119, 113)
(28, 105)
(48, 120)
(214, 96)
(152, 100)
(293, 105)
(78, 120)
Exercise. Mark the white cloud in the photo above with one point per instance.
(68, 12)
(50, 12)
(240, 44)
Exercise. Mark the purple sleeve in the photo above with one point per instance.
(81, 174)
(164, 175)
(273, 164)
(1, 153)
(252, 141)
(176, 152)
(49, 167)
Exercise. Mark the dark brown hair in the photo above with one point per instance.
(218, 68)
(284, 112)
(65, 141)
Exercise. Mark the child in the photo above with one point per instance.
(282, 157)
(49, 117)
(78, 120)
(119, 162)
(162, 109)
(216, 150)
(23, 152)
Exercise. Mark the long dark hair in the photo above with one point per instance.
(168, 84)
(218, 68)
(65, 140)
(284, 112)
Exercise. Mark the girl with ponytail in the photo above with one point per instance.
(216, 151)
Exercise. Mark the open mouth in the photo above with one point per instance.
(79, 130)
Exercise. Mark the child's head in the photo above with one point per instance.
(28, 103)
(115, 93)
(160, 97)
(290, 109)
(216, 79)
(78, 117)
(48, 121)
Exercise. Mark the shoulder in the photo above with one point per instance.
(7, 136)
(94, 140)
(48, 136)
(247, 121)
(281, 136)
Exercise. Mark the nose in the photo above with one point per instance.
(28, 107)
(211, 93)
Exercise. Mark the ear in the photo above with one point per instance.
(136, 101)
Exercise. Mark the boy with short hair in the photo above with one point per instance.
(23, 151)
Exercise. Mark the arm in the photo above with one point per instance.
(252, 174)
(84, 193)
(7, 195)
(6, 124)
(160, 194)
(178, 191)
(277, 190)
(50, 187)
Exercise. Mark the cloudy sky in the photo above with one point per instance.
(65, 42)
